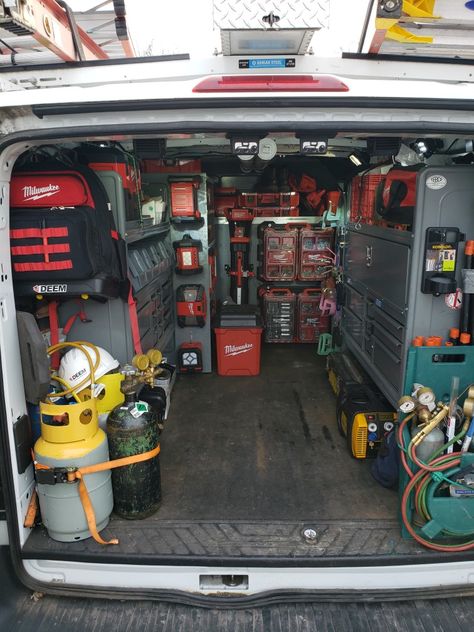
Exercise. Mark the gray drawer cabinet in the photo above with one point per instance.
(377, 268)
(379, 265)
(384, 308)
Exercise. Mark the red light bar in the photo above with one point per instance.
(271, 83)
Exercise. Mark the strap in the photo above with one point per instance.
(132, 311)
(78, 474)
(54, 332)
(81, 314)
(90, 514)
(43, 266)
(43, 249)
(40, 233)
(32, 511)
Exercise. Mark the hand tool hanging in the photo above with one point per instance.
(240, 222)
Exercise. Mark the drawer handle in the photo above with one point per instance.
(383, 317)
(368, 256)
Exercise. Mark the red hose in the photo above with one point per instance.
(401, 443)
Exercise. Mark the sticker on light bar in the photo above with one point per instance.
(268, 62)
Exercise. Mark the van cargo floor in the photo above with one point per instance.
(247, 465)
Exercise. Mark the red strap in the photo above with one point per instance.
(54, 332)
(114, 234)
(40, 249)
(26, 233)
(132, 311)
(81, 314)
(42, 266)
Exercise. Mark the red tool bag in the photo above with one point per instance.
(62, 227)
(396, 195)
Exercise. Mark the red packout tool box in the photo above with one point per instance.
(316, 257)
(279, 255)
(309, 322)
(363, 194)
(271, 204)
(279, 309)
(224, 198)
(238, 333)
(285, 201)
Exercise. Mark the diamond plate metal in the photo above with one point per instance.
(248, 14)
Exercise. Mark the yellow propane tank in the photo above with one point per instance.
(108, 398)
(71, 437)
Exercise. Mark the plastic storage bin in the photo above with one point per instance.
(363, 194)
(310, 322)
(238, 340)
(279, 257)
(279, 308)
(315, 258)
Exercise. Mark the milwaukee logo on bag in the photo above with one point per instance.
(61, 226)
(34, 193)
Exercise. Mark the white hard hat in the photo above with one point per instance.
(74, 366)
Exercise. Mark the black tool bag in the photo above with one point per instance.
(62, 226)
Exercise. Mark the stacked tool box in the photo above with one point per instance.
(298, 259)
(271, 204)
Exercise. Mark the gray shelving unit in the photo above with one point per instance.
(204, 234)
(384, 307)
(150, 262)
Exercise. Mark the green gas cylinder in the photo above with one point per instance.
(132, 428)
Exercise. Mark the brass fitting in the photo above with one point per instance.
(148, 365)
(431, 425)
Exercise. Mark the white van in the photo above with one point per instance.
(261, 494)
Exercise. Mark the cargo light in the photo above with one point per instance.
(271, 83)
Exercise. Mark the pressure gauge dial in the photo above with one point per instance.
(141, 362)
(426, 396)
(406, 404)
(154, 356)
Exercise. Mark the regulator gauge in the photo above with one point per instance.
(426, 397)
(141, 362)
(406, 404)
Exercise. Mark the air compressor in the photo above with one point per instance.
(364, 417)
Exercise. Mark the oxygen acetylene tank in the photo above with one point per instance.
(70, 436)
(132, 428)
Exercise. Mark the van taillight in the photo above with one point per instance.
(271, 83)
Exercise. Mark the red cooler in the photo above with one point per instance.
(238, 336)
